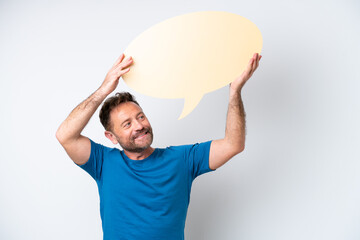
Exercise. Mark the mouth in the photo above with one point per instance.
(141, 135)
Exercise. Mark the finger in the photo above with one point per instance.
(249, 66)
(247, 70)
(125, 63)
(119, 59)
(122, 72)
(255, 63)
(258, 61)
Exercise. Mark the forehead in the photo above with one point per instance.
(124, 111)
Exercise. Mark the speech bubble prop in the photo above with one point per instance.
(190, 55)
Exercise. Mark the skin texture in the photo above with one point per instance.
(222, 150)
(77, 146)
(132, 130)
(130, 123)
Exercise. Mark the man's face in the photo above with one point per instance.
(130, 127)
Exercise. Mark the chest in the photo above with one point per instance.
(160, 181)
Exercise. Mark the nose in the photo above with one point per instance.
(138, 126)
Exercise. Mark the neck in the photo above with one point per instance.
(139, 155)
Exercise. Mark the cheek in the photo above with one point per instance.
(128, 134)
(123, 135)
(147, 123)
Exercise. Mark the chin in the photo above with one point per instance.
(136, 148)
(132, 146)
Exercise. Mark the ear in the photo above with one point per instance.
(111, 136)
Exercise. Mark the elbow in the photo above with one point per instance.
(60, 137)
(238, 148)
(242, 148)
(235, 150)
(235, 147)
(64, 137)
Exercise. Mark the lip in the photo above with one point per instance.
(143, 135)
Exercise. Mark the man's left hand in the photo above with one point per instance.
(239, 82)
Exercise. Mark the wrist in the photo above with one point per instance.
(235, 91)
(104, 90)
(100, 94)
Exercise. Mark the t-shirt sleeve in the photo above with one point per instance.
(198, 158)
(94, 165)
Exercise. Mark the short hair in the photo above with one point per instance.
(110, 104)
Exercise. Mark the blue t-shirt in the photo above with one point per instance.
(149, 198)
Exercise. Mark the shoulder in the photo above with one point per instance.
(100, 147)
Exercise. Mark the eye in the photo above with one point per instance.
(141, 117)
(126, 125)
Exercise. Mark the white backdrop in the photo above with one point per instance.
(299, 176)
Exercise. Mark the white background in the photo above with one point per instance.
(299, 175)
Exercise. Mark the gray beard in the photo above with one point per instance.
(132, 147)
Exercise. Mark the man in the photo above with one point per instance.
(144, 191)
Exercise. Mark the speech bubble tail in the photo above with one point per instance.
(189, 105)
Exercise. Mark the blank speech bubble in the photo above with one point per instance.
(190, 55)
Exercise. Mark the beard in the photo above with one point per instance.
(132, 145)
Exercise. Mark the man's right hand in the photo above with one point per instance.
(119, 68)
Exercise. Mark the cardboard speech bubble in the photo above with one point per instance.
(190, 55)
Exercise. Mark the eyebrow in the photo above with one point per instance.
(128, 119)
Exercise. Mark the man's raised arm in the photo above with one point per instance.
(68, 134)
(223, 150)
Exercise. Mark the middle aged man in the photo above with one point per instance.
(144, 191)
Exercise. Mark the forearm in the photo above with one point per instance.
(235, 123)
(234, 141)
(73, 125)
